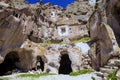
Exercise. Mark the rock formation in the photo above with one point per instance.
(37, 36)
(51, 56)
(11, 36)
(104, 37)
(29, 54)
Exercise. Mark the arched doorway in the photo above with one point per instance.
(9, 63)
(65, 65)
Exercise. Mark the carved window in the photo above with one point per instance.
(53, 14)
(63, 30)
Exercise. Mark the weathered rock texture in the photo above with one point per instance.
(23, 28)
(38, 23)
(50, 55)
(11, 36)
(103, 36)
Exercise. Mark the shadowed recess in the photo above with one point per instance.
(65, 65)
(9, 63)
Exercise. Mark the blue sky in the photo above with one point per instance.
(62, 3)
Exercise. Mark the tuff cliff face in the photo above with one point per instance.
(105, 48)
(45, 37)
(38, 23)
(11, 29)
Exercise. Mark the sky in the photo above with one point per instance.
(62, 3)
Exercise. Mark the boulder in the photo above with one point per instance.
(75, 56)
(29, 54)
(52, 60)
(104, 32)
(105, 43)
(118, 74)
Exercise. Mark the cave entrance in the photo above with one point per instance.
(40, 64)
(9, 63)
(65, 65)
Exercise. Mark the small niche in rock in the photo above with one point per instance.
(65, 65)
(9, 63)
(34, 39)
(40, 64)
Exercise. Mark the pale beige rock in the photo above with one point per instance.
(75, 56)
(28, 55)
(118, 74)
(53, 58)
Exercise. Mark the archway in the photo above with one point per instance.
(65, 65)
(9, 63)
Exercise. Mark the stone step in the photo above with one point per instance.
(106, 70)
(114, 62)
(96, 78)
(117, 63)
(86, 67)
(105, 74)
(111, 67)
(100, 74)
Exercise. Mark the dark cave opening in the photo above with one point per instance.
(9, 63)
(116, 27)
(40, 64)
(116, 11)
(65, 65)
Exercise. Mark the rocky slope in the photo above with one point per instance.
(38, 23)
(44, 37)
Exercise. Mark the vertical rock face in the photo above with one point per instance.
(103, 44)
(52, 63)
(113, 17)
(29, 54)
(45, 23)
(11, 36)
(104, 39)
(27, 61)
(76, 58)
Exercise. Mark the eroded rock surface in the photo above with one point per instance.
(30, 32)
(51, 56)
(105, 40)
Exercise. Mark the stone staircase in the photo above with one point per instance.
(113, 65)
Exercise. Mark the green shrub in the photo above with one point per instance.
(84, 39)
(34, 75)
(112, 76)
(80, 72)
(4, 78)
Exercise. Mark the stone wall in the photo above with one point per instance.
(51, 54)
